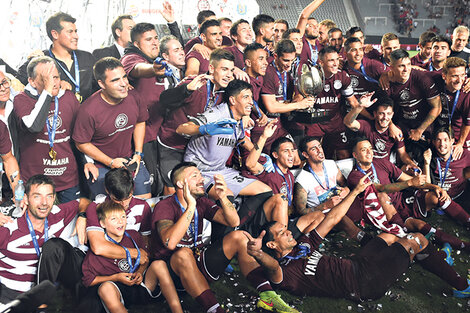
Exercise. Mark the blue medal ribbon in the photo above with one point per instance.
(288, 183)
(33, 233)
(303, 251)
(431, 68)
(132, 267)
(236, 137)
(193, 230)
(282, 81)
(363, 73)
(442, 179)
(451, 113)
(327, 181)
(51, 129)
(77, 72)
(375, 179)
(313, 56)
(210, 95)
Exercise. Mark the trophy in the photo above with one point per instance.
(310, 82)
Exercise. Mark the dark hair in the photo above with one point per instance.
(269, 236)
(290, 31)
(234, 28)
(334, 30)
(449, 131)
(306, 140)
(426, 37)
(326, 50)
(278, 142)
(284, 46)
(440, 38)
(282, 21)
(207, 24)
(38, 179)
(119, 183)
(349, 41)
(259, 21)
(204, 15)
(31, 68)
(178, 169)
(383, 100)
(220, 54)
(224, 19)
(399, 54)
(104, 64)
(117, 24)
(453, 62)
(53, 23)
(139, 29)
(352, 31)
(251, 48)
(356, 140)
(234, 88)
(106, 207)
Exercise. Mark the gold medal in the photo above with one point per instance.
(197, 251)
(79, 97)
(52, 153)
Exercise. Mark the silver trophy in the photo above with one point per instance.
(310, 82)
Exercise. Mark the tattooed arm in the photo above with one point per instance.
(300, 199)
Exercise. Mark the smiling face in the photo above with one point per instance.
(401, 69)
(40, 200)
(244, 34)
(454, 78)
(389, 46)
(314, 152)
(222, 72)
(283, 241)
(443, 144)
(330, 63)
(426, 50)
(323, 34)
(195, 181)
(285, 155)
(284, 61)
(67, 37)
(297, 40)
(363, 153)
(355, 54)
(175, 55)
(212, 38)
(258, 62)
(115, 223)
(242, 103)
(311, 29)
(279, 30)
(148, 43)
(4, 87)
(115, 86)
(383, 117)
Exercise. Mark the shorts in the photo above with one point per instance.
(234, 179)
(141, 182)
(377, 266)
(413, 206)
(334, 129)
(136, 294)
(169, 158)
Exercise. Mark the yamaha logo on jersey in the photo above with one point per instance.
(50, 120)
(354, 81)
(337, 84)
(405, 95)
(121, 120)
(123, 266)
(380, 145)
(326, 88)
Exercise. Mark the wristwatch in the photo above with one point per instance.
(82, 214)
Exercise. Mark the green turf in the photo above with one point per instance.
(417, 291)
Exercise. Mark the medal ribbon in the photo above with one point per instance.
(132, 267)
(313, 56)
(304, 250)
(375, 178)
(51, 129)
(288, 184)
(33, 233)
(77, 72)
(194, 230)
(363, 73)
(443, 179)
(282, 81)
(327, 181)
(210, 95)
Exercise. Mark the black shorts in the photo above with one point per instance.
(169, 158)
(377, 266)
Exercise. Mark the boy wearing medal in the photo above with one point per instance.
(121, 281)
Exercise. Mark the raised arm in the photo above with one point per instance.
(274, 106)
(305, 14)
(252, 160)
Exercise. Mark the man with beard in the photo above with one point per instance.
(263, 27)
(308, 27)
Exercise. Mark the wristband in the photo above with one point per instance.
(141, 154)
(111, 163)
(82, 214)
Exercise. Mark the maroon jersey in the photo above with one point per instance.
(226, 41)
(359, 82)
(149, 90)
(95, 265)
(34, 146)
(169, 209)
(203, 63)
(430, 67)
(411, 98)
(272, 85)
(453, 181)
(373, 54)
(309, 51)
(18, 258)
(417, 60)
(5, 142)
(239, 60)
(336, 86)
(138, 214)
(278, 183)
(318, 275)
(113, 134)
(193, 105)
(382, 143)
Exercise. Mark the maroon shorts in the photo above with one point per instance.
(335, 132)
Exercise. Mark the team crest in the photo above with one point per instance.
(203, 5)
(380, 145)
(405, 95)
(283, 189)
(50, 120)
(326, 88)
(337, 84)
(121, 120)
(241, 9)
(280, 90)
(354, 81)
(123, 266)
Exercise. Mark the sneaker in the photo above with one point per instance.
(463, 293)
(271, 301)
(448, 250)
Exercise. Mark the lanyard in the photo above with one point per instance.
(288, 183)
(51, 129)
(327, 181)
(236, 137)
(431, 68)
(210, 95)
(132, 268)
(194, 230)
(313, 55)
(282, 81)
(303, 251)
(443, 179)
(363, 72)
(77, 72)
(451, 113)
(33, 233)
(384, 63)
(376, 178)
